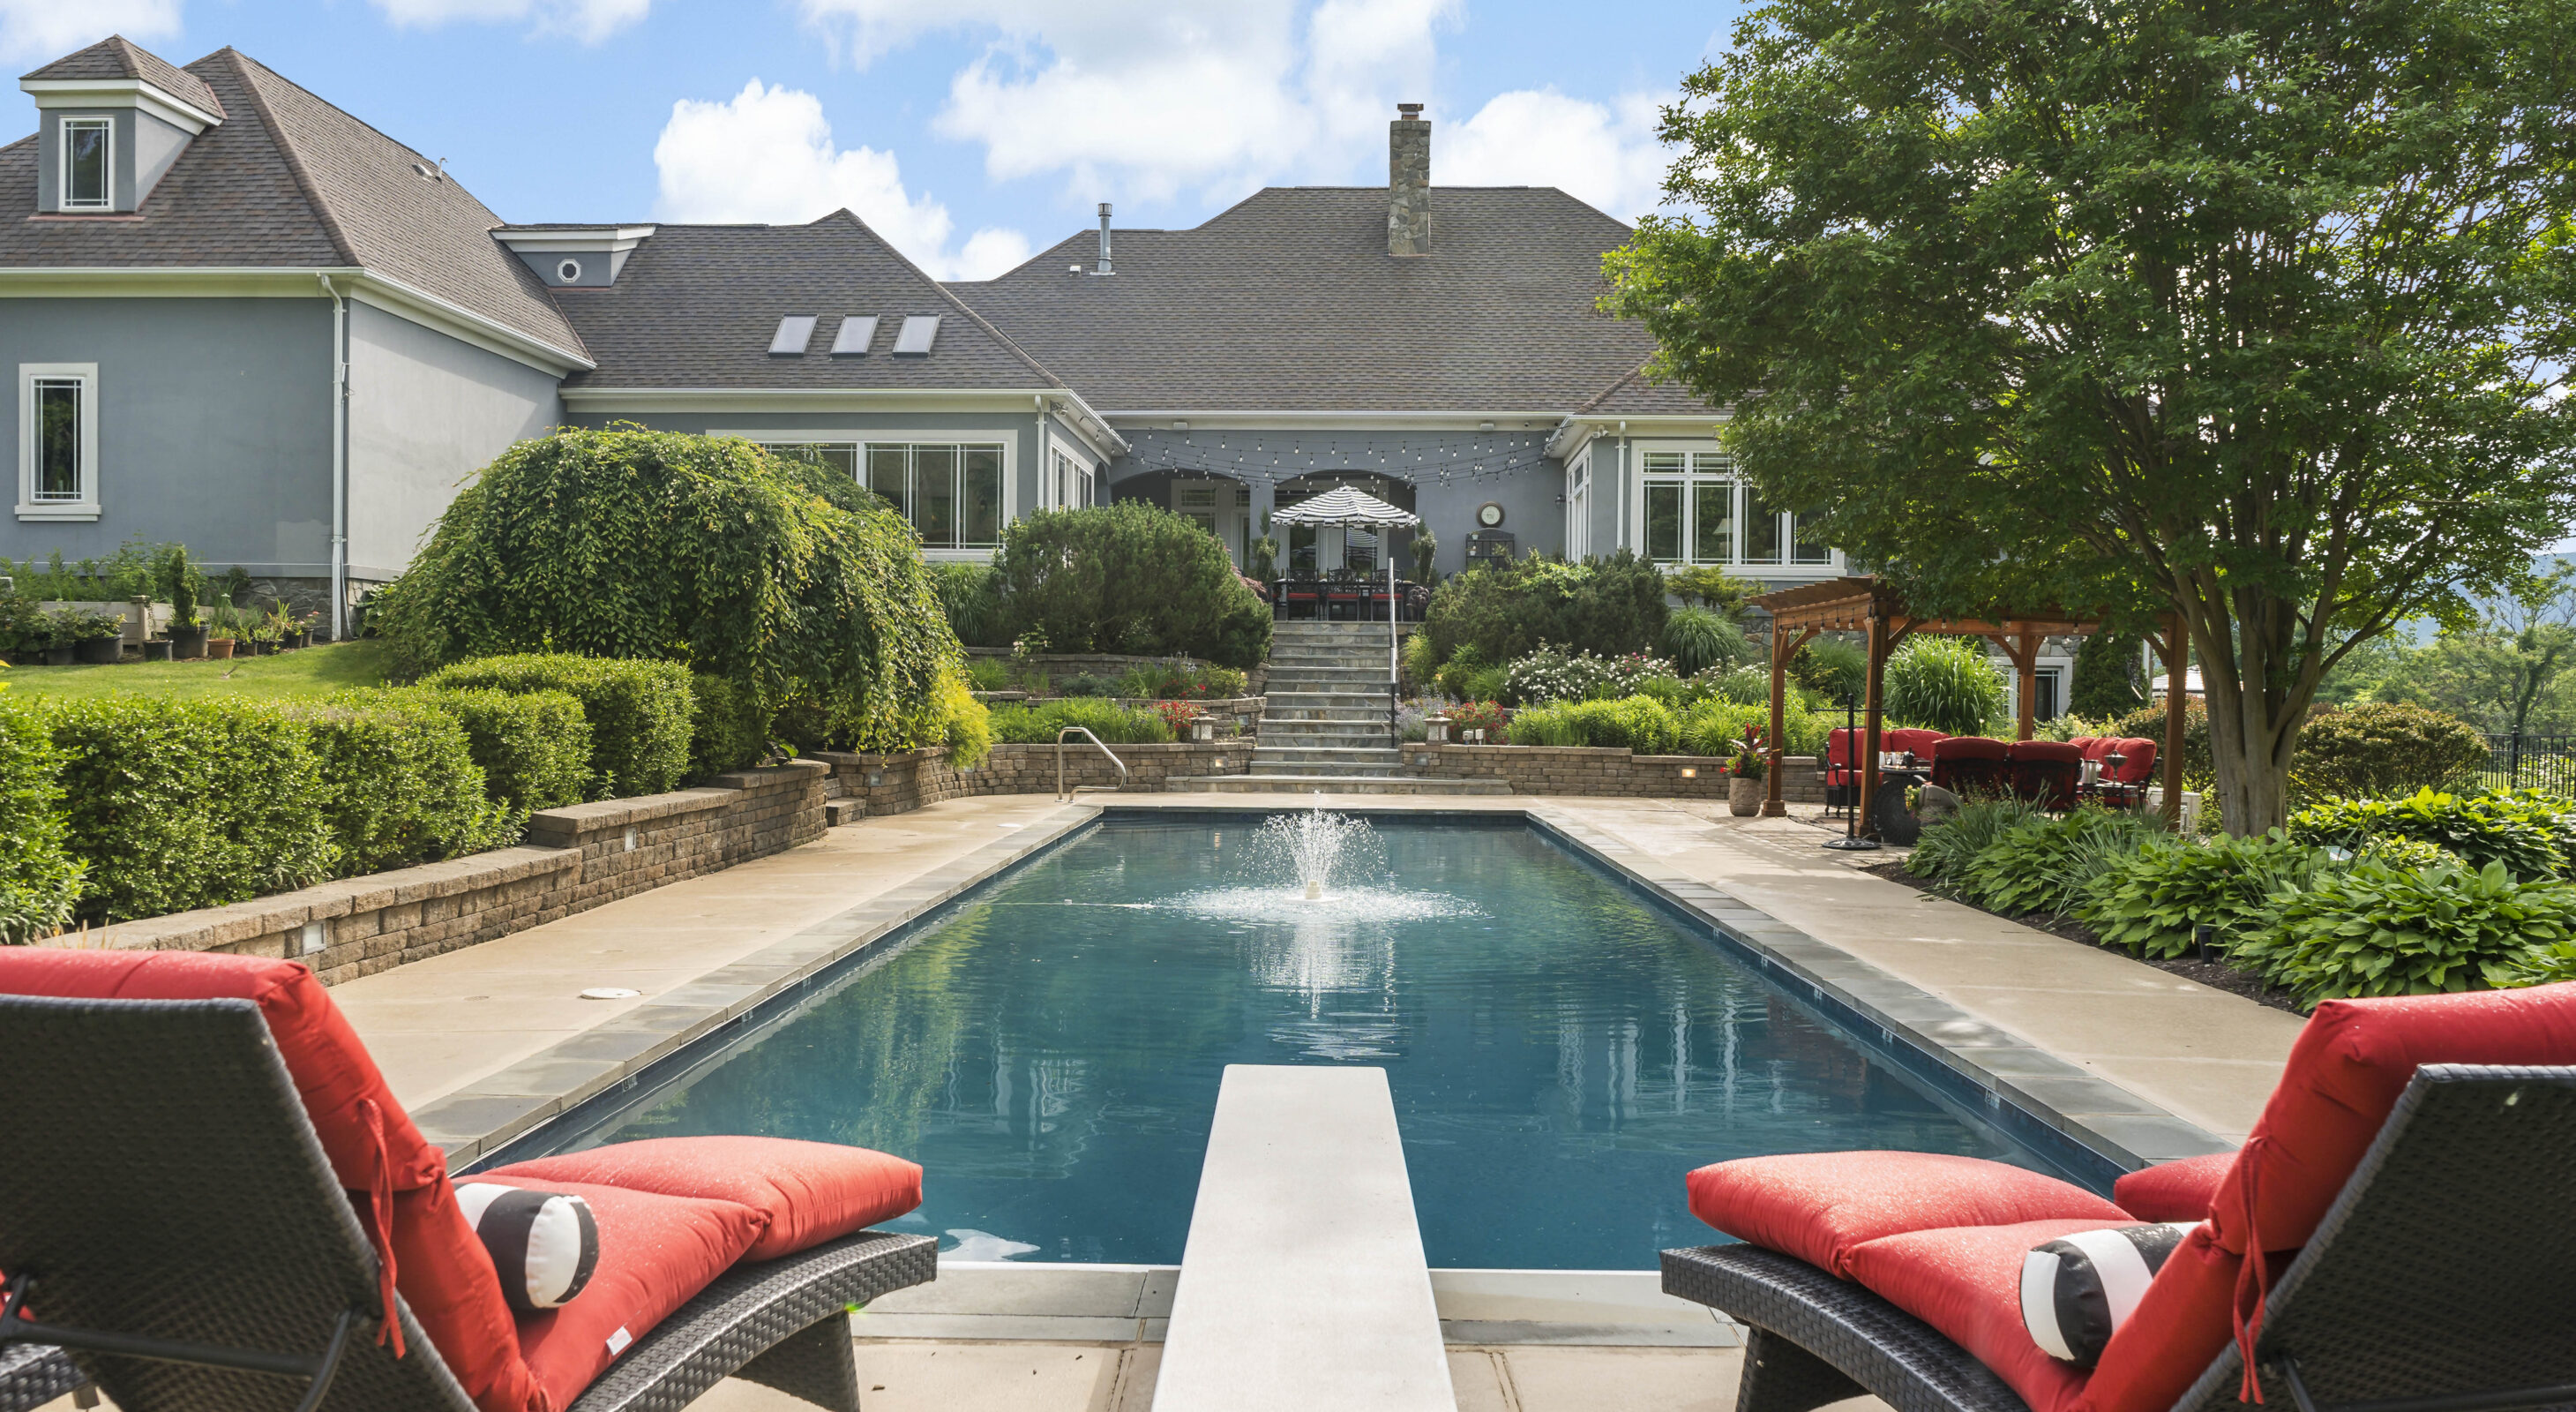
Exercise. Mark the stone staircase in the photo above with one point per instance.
(1324, 723)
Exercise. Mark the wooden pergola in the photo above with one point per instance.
(1870, 607)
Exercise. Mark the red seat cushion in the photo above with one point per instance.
(655, 1254)
(440, 1268)
(1966, 1282)
(1969, 747)
(2168, 1340)
(2137, 759)
(2173, 1191)
(1818, 1206)
(2056, 751)
(807, 1192)
(1914, 738)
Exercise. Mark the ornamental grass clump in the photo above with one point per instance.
(1944, 683)
(2047, 865)
(2150, 901)
(1640, 723)
(1944, 851)
(2371, 929)
(1697, 640)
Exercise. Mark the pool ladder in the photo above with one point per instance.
(1061, 793)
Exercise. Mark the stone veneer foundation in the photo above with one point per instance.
(574, 859)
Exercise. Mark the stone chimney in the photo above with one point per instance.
(1408, 182)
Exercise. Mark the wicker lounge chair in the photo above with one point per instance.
(2435, 1279)
(174, 1231)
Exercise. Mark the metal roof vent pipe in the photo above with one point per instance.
(1103, 267)
(1408, 182)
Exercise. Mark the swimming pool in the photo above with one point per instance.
(1560, 1051)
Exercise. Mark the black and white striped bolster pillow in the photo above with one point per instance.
(2077, 1289)
(544, 1244)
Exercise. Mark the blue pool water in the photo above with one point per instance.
(1560, 1052)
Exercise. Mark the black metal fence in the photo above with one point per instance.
(2546, 762)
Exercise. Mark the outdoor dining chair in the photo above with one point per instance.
(212, 1203)
(2045, 772)
(2395, 1235)
(1969, 765)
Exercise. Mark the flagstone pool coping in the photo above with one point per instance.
(2087, 1126)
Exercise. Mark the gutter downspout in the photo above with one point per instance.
(339, 462)
(1623, 486)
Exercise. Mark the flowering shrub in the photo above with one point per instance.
(1553, 674)
(1487, 716)
(1177, 715)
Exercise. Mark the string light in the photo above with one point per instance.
(1473, 457)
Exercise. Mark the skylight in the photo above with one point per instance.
(918, 331)
(857, 333)
(794, 332)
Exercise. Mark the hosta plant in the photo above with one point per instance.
(2371, 929)
(2150, 901)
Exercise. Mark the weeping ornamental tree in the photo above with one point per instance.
(2254, 313)
(784, 578)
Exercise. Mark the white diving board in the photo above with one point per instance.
(1303, 1284)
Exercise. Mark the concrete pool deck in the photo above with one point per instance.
(486, 1042)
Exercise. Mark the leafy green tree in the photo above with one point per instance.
(2253, 313)
(1127, 577)
(2106, 677)
(2502, 671)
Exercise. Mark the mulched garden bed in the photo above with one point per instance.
(2217, 975)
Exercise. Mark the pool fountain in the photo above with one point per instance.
(1316, 846)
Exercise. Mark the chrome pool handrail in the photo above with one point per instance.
(1061, 793)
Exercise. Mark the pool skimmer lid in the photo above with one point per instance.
(610, 992)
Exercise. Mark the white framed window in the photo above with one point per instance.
(58, 441)
(951, 492)
(88, 165)
(1077, 485)
(1697, 512)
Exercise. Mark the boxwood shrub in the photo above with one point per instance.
(533, 746)
(39, 880)
(728, 730)
(2383, 748)
(640, 712)
(182, 804)
(397, 782)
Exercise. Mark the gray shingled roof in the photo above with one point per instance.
(118, 57)
(696, 306)
(1289, 302)
(289, 180)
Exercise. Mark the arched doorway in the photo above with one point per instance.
(1322, 549)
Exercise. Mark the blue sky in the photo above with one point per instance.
(968, 131)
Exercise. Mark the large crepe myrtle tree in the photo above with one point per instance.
(2254, 313)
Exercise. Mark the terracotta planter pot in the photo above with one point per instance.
(219, 649)
(187, 644)
(1743, 796)
(99, 651)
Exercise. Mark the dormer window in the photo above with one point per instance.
(87, 144)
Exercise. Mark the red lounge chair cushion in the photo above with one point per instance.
(440, 1268)
(2344, 1075)
(1966, 1282)
(1819, 1206)
(1914, 738)
(655, 1254)
(809, 1192)
(2173, 1191)
(2177, 1328)
(2137, 759)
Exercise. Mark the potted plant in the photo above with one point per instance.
(45, 641)
(282, 629)
(1744, 775)
(180, 578)
(97, 639)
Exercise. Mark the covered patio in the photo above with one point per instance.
(1868, 606)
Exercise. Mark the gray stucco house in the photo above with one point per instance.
(239, 317)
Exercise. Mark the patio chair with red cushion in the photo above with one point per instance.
(2396, 1234)
(1971, 765)
(1842, 760)
(211, 1200)
(1298, 598)
(1911, 738)
(2045, 772)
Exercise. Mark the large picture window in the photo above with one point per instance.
(58, 441)
(85, 164)
(950, 492)
(1697, 512)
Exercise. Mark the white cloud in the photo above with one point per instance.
(48, 29)
(590, 21)
(767, 155)
(1148, 97)
(1605, 155)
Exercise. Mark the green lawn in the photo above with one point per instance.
(315, 671)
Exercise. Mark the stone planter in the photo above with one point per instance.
(99, 651)
(187, 644)
(1743, 796)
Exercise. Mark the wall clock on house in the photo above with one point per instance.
(1489, 514)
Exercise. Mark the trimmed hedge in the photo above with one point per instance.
(2382, 747)
(640, 712)
(397, 782)
(533, 747)
(728, 730)
(177, 805)
(1128, 577)
(39, 880)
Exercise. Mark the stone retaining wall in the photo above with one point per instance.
(906, 780)
(574, 859)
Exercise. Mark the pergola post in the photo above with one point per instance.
(1872, 694)
(2026, 659)
(1782, 649)
(2177, 656)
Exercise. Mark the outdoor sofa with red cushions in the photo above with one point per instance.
(2399, 1231)
(2045, 772)
(1842, 753)
(201, 1153)
(1971, 765)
